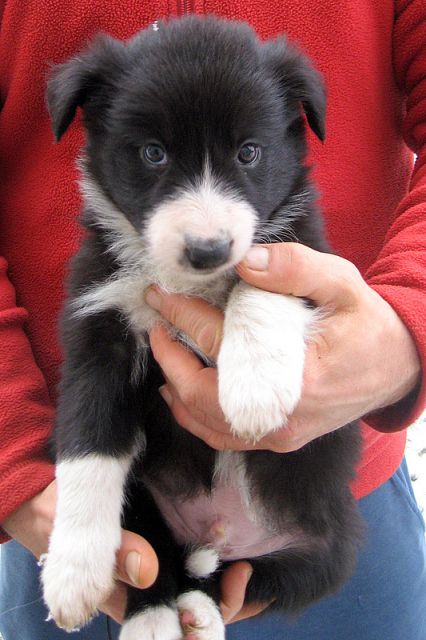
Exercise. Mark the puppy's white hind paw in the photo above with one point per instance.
(200, 617)
(153, 623)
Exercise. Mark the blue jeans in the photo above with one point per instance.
(385, 598)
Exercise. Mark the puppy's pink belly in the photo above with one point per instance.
(221, 520)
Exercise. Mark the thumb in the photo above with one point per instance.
(233, 588)
(137, 562)
(294, 269)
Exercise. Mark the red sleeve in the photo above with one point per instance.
(24, 466)
(399, 272)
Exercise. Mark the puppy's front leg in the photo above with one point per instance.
(260, 363)
(97, 437)
(78, 573)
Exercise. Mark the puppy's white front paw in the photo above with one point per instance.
(200, 616)
(75, 585)
(257, 394)
(78, 573)
(261, 359)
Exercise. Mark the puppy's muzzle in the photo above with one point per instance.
(207, 253)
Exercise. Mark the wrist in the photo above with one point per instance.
(402, 362)
(32, 522)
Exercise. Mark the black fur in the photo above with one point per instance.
(197, 85)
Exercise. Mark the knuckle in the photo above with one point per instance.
(289, 257)
(208, 338)
(180, 413)
(299, 254)
(349, 271)
(213, 441)
(188, 396)
(170, 310)
(347, 279)
(288, 438)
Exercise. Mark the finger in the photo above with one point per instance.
(250, 610)
(179, 365)
(176, 361)
(188, 376)
(137, 562)
(195, 317)
(212, 417)
(233, 589)
(295, 269)
(214, 431)
(115, 606)
(191, 394)
(195, 385)
(203, 428)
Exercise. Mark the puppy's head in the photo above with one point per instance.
(195, 133)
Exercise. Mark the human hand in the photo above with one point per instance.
(137, 564)
(32, 523)
(360, 359)
(233, 590)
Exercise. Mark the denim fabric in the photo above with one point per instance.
(386, 597)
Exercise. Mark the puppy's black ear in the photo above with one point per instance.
(73, 83)
(299, 81)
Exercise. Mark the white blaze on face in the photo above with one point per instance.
(206, 211)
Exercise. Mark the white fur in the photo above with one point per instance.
(206, 211)
(209, 623)
(261, 359)
(78, 573)
(202, 562)
(125, 242)
(230, 471)
(155, 623)
(154, 256)
(201, 210)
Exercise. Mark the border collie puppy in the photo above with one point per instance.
(195, 151)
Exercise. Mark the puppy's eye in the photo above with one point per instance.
(248, 154)
(154, 154)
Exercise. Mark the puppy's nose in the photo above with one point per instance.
(207, 254)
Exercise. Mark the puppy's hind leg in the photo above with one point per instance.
(153, 623)
(152, 613)
(294, 579)
(195, 614)
(201, 616)
(199, 603)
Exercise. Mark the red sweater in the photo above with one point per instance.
(373, 56)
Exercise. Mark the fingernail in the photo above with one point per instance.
(153, 298)
(257, 258)
(133, 565)
(166, 395)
